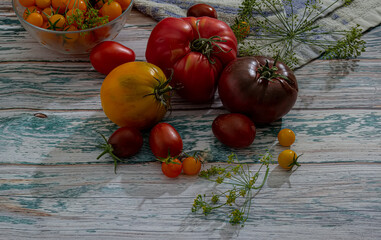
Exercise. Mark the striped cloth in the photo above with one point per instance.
(365, 13)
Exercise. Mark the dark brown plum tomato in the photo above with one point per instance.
(258, 88)
(234, 130)
(202, 10)
(165, 141)
(124, 142)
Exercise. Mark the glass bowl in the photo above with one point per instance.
(73, 42)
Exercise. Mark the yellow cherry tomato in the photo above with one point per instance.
(135, 94)
(286, 137)
(288, 159)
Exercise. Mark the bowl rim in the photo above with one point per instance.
(71, 32)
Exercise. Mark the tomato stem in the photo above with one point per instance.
(269, 73)
(206, 45)
(161, 90)
(107, 148)
(294, 162)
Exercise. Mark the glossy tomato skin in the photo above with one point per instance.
(126, 141)
(128, 95)
(172, 169)
(108, 55)
(164, 139)
(243, 91)
(234, 130)
(286, 137)
(200, 82)
(171, 47)
(287, 159)
(202, 10)
(191, 165)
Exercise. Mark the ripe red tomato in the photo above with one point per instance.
(196, 50)
(255, 87)
(191, 165)
(164, 141)
(172, 168)
(124, 142)
(234, 130)
(202, 10)
(108, 55)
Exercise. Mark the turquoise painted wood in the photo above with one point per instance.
(53, 187)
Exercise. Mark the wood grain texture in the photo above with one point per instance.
(71, 137)
(53, 187)
(49, 201)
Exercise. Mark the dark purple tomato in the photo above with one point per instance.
(255, 87)
(234, 130)
(124, 142)
(202, 10)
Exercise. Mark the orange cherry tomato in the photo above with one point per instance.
(47, 13)
(43, 3)
(77, 4)
(71, 37)
(45, 25)
(27, 3)
(191, 165)
(286, 137)
(112, 10)
(57, 22)
(35, 19)
(244, 28)
(60, 5)
(124, 3)
(30, 10)
(75, 17)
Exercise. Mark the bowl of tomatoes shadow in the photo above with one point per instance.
(72, 26)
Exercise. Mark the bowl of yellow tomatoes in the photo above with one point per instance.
(72, 26)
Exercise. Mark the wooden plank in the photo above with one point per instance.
(71, 137)
(74, 85)
(317, 201)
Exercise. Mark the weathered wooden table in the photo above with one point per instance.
(53, 187)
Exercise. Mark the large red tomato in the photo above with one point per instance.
(258, 87)
(195, 50)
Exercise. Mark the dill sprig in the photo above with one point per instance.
(277, 28)
(238, 197)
